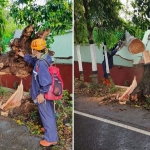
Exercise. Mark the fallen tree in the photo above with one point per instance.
(11, 62)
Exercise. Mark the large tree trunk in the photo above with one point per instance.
(80, 62)
(94, 64)
(106, 60)
(140, 91)
(143, 88)
(91, 42)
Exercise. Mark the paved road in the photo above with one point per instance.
(136, 117)
(14, 137)
(92, 134)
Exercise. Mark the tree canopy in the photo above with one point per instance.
(102, 22)
(3, 22)
(56, 14)
(141, 16)
(80, 27)
(98, 16)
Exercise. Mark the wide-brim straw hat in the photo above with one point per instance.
(136, 46)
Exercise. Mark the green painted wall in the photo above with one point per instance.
(62, 47)
(86, 57)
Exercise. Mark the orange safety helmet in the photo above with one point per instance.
(38, 44)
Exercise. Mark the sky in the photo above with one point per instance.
(128, 7)
(39, 2)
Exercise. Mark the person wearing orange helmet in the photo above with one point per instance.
(41, 81)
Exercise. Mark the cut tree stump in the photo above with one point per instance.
(140, 91)
(143, 88)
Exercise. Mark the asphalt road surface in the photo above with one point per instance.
(120, 127)
(92, 134)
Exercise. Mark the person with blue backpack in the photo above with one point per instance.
(41, 81)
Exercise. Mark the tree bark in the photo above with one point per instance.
(80, 62)
(143, 88)
(94, 64)
(15, 64)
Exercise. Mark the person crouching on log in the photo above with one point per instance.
(110, 54)
(41, 81)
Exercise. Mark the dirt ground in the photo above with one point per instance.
(107, 94)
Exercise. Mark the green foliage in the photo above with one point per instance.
(80, 28)
(34, 115)
(148, 100)
(103, 15)
(141, 13)
(34, 128)
(113, 88)
(30, 121)
(111, 37)
(100, 21)
(56, 15)
(2, 20)
(63, 111)
(3, 91)
(19, 120)
(64, 108)
(10, 27)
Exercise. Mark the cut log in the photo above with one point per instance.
(127, 93)
(14, 100)
(146, 56)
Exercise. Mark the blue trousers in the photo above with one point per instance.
(47, 115)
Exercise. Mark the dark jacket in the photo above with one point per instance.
(110, 61)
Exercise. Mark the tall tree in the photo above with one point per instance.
(80, 32)
(3, 4)
(102, 15)
(56, 15)
(38, 19)
(141, 13)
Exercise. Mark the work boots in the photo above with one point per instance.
(106, 82)
(46, 143)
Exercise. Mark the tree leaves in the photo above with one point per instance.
(141, 13)
(56, 15)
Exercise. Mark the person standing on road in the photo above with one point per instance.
(41, 82)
